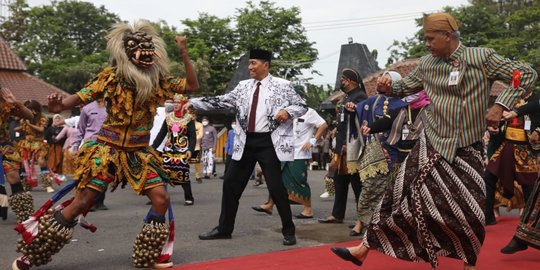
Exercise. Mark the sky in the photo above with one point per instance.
(328, 24)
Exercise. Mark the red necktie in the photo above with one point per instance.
(253, 111)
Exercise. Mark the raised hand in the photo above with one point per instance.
(55, 103)
(384, 84)
(181, 41)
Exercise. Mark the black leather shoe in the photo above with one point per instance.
(260, 209)
(3, 212)
(101, 207)
(514, 246)
(330, 220)
(289, 240)
(214, 234)
(346, 255)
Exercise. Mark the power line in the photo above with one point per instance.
(370, 18)
(347, 23)
(358, 24)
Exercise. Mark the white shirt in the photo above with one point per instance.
(158, 122)
(261, 122)
(72, 121)
(304, 127)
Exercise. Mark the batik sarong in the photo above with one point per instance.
(433, 208)
(373, 189)
(529, 226)
(99, 164)
(295, 181)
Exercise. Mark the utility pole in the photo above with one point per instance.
(4, 9)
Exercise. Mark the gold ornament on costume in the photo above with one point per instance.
(385, 107)
(180, 98)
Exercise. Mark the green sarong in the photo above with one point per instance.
(295, 181)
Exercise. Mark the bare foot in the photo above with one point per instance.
(467, 266)
(360, 252)
(357, 226)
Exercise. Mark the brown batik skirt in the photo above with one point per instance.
(433, 208)
(529, 226)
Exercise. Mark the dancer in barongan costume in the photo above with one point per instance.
(134, 85)
(21, 202)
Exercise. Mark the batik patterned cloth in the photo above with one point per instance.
(33, 146)
(433, 208)
(529, 226)
(296, 181)
(121, 153)
(175, 158)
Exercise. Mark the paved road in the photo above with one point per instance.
(110, 247)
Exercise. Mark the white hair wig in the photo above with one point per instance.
(144, 79)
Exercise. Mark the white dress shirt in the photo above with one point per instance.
(261, 121)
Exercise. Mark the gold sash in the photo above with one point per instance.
(515, 134)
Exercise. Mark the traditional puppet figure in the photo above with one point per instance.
(21, 202)
(133, 87)
(180, 131)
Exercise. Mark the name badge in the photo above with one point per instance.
(404, 133)
(454, 77)
(342, 117)
(527, 125)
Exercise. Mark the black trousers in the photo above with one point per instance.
(100, 198)
(491, 186)
(188, 195)
(227, 163)
(341, 182)
(258, 148)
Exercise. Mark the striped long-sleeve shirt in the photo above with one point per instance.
(456, 117)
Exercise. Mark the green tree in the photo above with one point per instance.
(213, 40)
(279, 30)
(511, 27)
(58, 41)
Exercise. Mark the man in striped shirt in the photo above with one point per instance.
(438, 195)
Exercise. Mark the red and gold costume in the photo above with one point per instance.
(33, 146)
(11, 158)
(514, 159)
(132, 89)
(121, 152)
(21, 202)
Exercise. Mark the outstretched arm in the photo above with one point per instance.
(20, 109)
(192, 84)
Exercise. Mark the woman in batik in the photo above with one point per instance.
(179, 129)
(21, 201)
(33, 147)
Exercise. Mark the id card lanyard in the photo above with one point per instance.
(454, 74)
